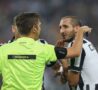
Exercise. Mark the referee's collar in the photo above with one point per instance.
(25, 40)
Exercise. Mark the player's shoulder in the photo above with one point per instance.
(4, 45)
(43, 44)
(43, 41)
(1, 44)
(85, 41)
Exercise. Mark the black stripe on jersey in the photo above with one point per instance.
(33, 57)
(81, 83)
(87, 87)
(84, 41)
(74, 68)
(82, 59)
(72, 88)
(72, 62)
(60, 52)
(96, 86)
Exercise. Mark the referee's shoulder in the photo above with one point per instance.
(43, 44)
(4, 45)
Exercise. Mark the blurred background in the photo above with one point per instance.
(51, 12)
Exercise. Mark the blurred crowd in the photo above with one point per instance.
(51, 11)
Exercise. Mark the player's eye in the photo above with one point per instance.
(65, 26)
(60, 27)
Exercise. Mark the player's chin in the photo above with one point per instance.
(67, 38)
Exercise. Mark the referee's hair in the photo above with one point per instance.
(25, 22)
(74, 20)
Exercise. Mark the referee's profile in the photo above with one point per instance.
(23, 61)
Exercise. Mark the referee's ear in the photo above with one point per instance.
(34, 29)
(14, 28)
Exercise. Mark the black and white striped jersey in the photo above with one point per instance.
(87, 65)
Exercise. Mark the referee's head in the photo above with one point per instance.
(28, 24)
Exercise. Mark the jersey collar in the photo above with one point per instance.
(25, 40)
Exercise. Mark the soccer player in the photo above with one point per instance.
(23, 61)
(83, 70)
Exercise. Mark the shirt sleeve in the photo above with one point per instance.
(54, 53)
(76, 64)
(50, 53)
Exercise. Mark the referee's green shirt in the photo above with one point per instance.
(22, 64)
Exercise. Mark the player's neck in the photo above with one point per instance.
(70, 40)
(29, 36)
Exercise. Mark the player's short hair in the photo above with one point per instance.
(74, 20)
(25, 22)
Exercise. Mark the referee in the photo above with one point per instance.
(23, 61)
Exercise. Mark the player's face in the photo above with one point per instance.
(66, 29)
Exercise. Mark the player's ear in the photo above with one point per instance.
(76, 28)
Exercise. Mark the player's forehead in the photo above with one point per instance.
(65, 21)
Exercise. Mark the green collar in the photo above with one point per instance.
(25, 40)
